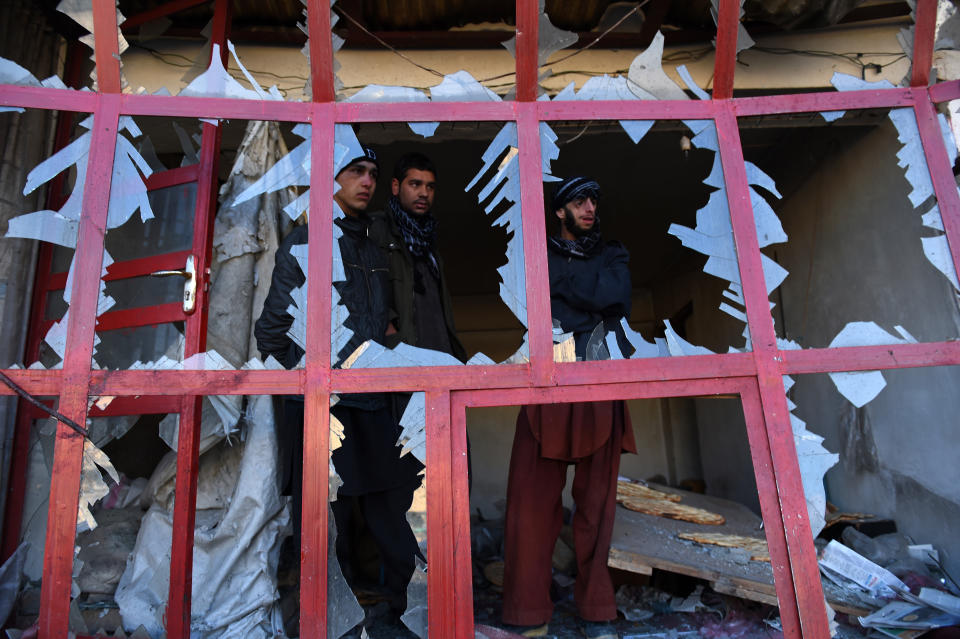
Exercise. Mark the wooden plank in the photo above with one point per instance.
(729, 588)
(623, 560)
(642, 543)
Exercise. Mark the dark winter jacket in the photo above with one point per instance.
(587, 291)
(385, 232)
(366, 293)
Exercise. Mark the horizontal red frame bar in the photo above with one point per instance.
(425, 111)
(825, 101)
(229, 108)
(172, 177)
(39, 383)
(44, 98)
(600, 392)
(146, 265)
(143, 316)
(146, 405)
(944, 91)
(694, 370)
(223, 108)
(656, 369)
(867, 358)
(129, 268)
(195, 382)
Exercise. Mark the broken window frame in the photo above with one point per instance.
(756, 376)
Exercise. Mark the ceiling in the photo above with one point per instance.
(470, 24)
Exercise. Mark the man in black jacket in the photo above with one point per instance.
(589, 293)
(377, 482)
(407, 231)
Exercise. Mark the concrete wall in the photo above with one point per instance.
(761, 70)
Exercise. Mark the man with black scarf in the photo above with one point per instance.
(407, 231)
(377, 482)
(589, 288)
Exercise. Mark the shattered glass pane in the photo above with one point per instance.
(170, 231)
(464, 247)
(476, 75)
(369, 460)
(878, 457)
(844, 220)
(680, 194)
(242, 519)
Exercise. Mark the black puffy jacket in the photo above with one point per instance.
(366, 292)
(585, 291)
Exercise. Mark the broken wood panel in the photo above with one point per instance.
(642, 543)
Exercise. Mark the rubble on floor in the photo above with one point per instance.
(897, 588)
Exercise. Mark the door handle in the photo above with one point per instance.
(189, 274)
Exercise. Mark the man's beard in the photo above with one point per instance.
(570, 223)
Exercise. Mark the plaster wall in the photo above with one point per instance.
(759, 69)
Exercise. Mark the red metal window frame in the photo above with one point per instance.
(755, 376)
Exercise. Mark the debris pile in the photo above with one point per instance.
(909, 594)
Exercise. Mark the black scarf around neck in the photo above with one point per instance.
(583, 246)
(419, 231)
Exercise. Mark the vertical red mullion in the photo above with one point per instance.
(180, 587)
(941, 172)
(321, 51)
(65, 480)
(463, 570)
(725, 61)
(793, 507)
(770, 509)
(441, 584)
(107, 50)
(316, 422)
(924, 32)
(527, 49)
(534, 243)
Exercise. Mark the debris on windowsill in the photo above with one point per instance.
(639, 497)
(899, 576)
(757, 548)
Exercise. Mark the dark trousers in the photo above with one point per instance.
(384, 514)
(533, 522)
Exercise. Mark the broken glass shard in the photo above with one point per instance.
(861, 387)
(744, 41)
(647, 79)
(550, 39)
(461, 87)
(688, 80)
(215, 82)
(379, 93)
(13, 73)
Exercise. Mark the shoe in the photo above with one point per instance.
(598, 630)
(526, 631)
